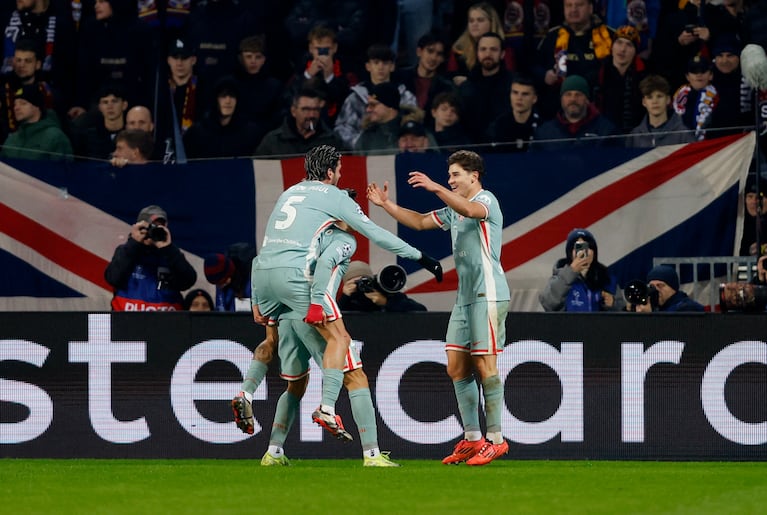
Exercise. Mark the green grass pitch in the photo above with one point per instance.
(337, 487)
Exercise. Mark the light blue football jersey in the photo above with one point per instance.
(300, 215)
(477, 251)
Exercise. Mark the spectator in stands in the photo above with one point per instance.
(484, 94)
(754, 219)
(382, 122)
(215, 30)
(665, 281)
(579, 281)
(132, 146)
(300, 131)
(682, 35)
(230, 273)
(448, 130)
(373, 298)
(222, 132)
(261, 93)
(425, 79)
(643, 15)
(148, 272)
(179, 102)
(735, 107)
(578, 123)
(139, 117)
(97, 139)
(661, 125)
(482, 18)
(413, 137)
(198, 300)
(576, 47)
(696, 101)
(618, 97)
(323, 72)
(114, 46)
(26, 65)
(513, 131)
(53, 32)
(38, 135)
(347, 18)
(379, 65)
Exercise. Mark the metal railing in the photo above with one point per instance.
(707, 273)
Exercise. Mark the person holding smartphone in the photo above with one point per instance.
(579, 282)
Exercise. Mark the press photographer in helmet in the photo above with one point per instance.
(364, 291)
(579, 282)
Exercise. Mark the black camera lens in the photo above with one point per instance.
(366, 284)
(156, 232)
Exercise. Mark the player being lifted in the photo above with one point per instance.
(476, 332)
(281, 275)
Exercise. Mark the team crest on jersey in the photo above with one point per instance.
(361, 213)
(483, 198)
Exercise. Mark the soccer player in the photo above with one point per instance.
(476, 331)
(280, 276)
(337, 247)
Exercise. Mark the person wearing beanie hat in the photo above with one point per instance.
(230, 273)
(382, 121)
(665, 281)
(198, 300)
(373, 299)
(579, 122)
(148, 272)
(618, 97)
(38, 135)
(218, 269)
(579, 282)
(575, 83)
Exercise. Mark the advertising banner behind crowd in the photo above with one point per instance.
(60, 223)
(619, 386)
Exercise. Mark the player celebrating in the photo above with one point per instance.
(336, 248)
(280, 276)
(476, 331)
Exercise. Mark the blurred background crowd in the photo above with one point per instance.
(134, 81)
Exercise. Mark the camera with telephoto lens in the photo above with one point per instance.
(156, 232)
(638, 292)
(390, 279)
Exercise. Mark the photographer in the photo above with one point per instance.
(148, 272)
(360, 277)
(579, 281)
(663, 293)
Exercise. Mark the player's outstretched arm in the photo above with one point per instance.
(408, 217)
(456, 202)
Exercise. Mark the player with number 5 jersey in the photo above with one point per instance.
(282, 274)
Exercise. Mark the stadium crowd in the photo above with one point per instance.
(227, 78)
